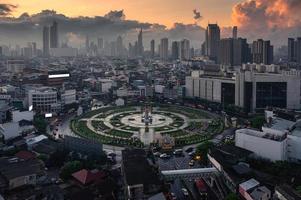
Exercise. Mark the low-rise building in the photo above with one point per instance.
(140, 176)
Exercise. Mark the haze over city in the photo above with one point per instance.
(275, 19)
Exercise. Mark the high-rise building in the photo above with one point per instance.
(241, 52)
(294, 50)
(152, 50)
(226, 51)
(119, 46)
(268, 53)
(46, 41)
(164, 49)
(99, 43)
(175, 50)
(262, 52)
(291, 50)
(234, 33)
(54, 36)
(298, 50)
(212, 41)
(140, 48)
(184, 53)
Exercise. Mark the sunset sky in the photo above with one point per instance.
(154, 11)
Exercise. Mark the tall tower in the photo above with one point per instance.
(140, 48)
(234, 34)
(46, 41)
(164, 49)
(212, 41)
(152, 48)
(54, 37)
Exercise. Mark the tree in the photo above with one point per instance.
(299, 189)
(40, 123)
(203, 148)
(69, 168)
(232, 196)
(257, 122)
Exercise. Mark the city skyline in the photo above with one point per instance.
(273, 20)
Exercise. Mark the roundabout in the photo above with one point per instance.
(142, 126)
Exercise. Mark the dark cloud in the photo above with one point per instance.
(197, 15)
(27, 27)
(270, 19)
(115, 15)
(6, 9)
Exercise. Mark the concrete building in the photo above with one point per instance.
(212, 41)
(262, 52)
(54, 36)
(152, 50)
(68, 97)
(164, 49)
(264, 145)
(184, 50)
(254, 87)
(280, 139)
(175, 50)
(15, 66)
(294, 50)
(46, 41)
(43, 99)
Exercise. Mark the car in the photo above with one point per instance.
(157, 154)
(112, 154)
(191, 163)
(191, 154)
(178, 152)
(164, 155)
(185, 192)
(173, 196)
(190, 149)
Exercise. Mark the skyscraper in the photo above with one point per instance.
(152, 51)
(54, 37)
(184, 49)
(298, 50)
(140, 48)
(175, 50)
(212, 41)
(226, 51)
(46, 41)
(164, 49)
(262, 52)
(119, 46)
(234, 34)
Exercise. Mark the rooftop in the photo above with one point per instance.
(137, 169)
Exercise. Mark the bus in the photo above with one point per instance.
(201, 188)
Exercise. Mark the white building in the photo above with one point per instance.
(22, 115)
(251, 87)
(68, 97)
(43, 99)
(279, 140)
(106, 85)
(264, 145)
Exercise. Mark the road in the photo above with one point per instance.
(64, 129)
(182, 162)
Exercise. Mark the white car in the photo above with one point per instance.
(185, 192)
(173, 196)
(157, 154)
(164, 155)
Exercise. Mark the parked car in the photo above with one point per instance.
(185, 192)
(190, 149)
(164, 155)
